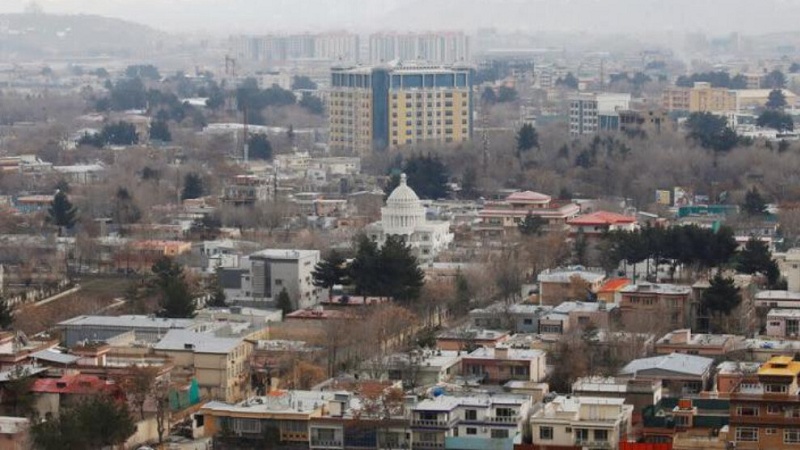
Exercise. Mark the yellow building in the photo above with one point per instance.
(375, 108)
(700, 98)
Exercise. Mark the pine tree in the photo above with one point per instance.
(398, 270)
(721, 297)
(6, 314)
(755, 257)
(330, 271)
(192, 187)
(532, 225)
(284, 302)
(61, 212)
(218, 299)
(754, 204)
(177, 300)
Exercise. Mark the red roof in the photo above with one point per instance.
(601, 218)
(614, 284)
(74, 384)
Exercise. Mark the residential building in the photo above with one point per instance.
(460, 339)
(679, 374)
(639, 393)
(662, 421)
(649, 305)
(475, 421)
(501, 218)
(783, 323)
(750, 99)
(380, 107)
(261, 276)
(14, 433)
(700, 98)
(731, 374)
(219, 364)
(570, 316)
(594, 225)
(280, 49)
(590, 113)
(501, 364)
(568, 283)
(610, 291)
(431, 47)
(248, 189)
(649, 121)
(789, 264)
(517, 318)
(404, 216)
(572, 422)
(767, 300)
(766, 414)
(711, 345)
(425, 368)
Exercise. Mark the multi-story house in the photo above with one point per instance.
(502, 364)
(375, 108)
(766, 414)
(568, 283)
(501, 218)
(711, 345)
(783, 323)
(649, 305)
(678, 373)
(261, 276)
(571, 422)
(476, 421)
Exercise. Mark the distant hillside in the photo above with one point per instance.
(48, 35)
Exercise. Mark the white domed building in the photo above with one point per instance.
(404, 215)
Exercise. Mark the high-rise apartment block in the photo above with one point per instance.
(590, 113)
(434, 47)
(276, 49)
(380, 107)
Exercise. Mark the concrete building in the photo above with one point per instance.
(783, 323)
(432, 47)
(518, 318)
(501, 218)
(569, 316)
(404, 216)
(590, 113)
(711, 345)
(219, 364)
(501, 364)
(581, 422)
(102, 328)
(380, 107)
(559, 285)
(766, 300)
(639, 393)
(679, 374)
(649, 304)
(261, 276)
(282, 49)
(700, 98)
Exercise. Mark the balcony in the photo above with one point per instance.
(593, 444)
(317, 443)
(511, 420)
(429, 444)
(433, 423)
(764, 419)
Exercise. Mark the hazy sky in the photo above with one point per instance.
(239, 16)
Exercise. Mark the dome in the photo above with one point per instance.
(402, 195)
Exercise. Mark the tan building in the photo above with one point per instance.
(581, 422)
(499, 218)
(219, 364)
(651, 305)
(684, 341)
(700, 98)
(14, 433)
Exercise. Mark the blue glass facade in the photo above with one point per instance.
(380, 109)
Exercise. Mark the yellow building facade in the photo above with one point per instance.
(700, 98)
(375, 108)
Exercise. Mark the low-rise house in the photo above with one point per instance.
(680, 374)
(711, 345)
(762, 348)
(424, 368)
(14, 433)
(51, 395)
(570, 316)
(559, 285)
(501, 218)
(611, 290)
(101, 328)
(517, 318)
(467, 338)
(783, 323)
(661, 421)
(639, 393)
(766, 300)
(646, 306)
(732, 374)
(501, 364)
(581, 422)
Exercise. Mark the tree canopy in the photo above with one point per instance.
(506, 94)
(569, 81)
(427, 176)
(61, 211)
(391, 271)
(259, 147)
(722, 296)
(192, 186)
(720, 79)
(312, 104)
(532, 225)
(711, 131)
(331, 271)
(775, 119)
(97, 422)
(177, 300)
(754, 203)
(755, 258)
(774, 80)
(776, 99)
(159, 131)
(303, 82)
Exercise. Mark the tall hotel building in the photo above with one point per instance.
(380, 107)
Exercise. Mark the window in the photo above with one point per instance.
(472, 431)
(326, 434)
(500, 434)
(505, 412)
(791, 436)
(747, 434)
(471, 414)
(773, 409)
(527, 321)
(747, 411)
(545, 433)
(770, 431)
(601, 435)
(775, 388)
(581, 434)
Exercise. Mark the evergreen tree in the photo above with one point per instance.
(755, 257)
(506, 94)
(399, 272)
(774, 80)
(96, 422)
(177, 300)
(259, 147)
(711, 131)
(722, 296)
(532, 225)
(469, 184)
(489, 96)
(120, 133)
(6, 314)
(776, 99)
(754, 204)
(775, 119)
(61, 212)
(125, 210)
(284, 302)
(218, 299)
(192, 187)
(159, 131)
(461, 303)
(527, 139)
(331, 271)
(364, 270)
(426, 175)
